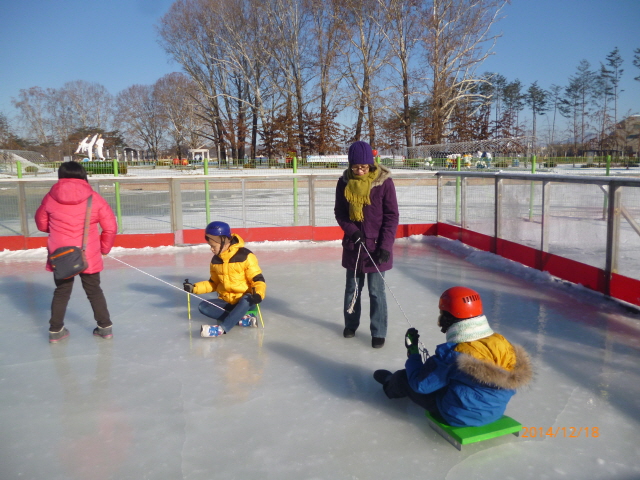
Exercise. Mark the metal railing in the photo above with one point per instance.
(170, 204)
(592, 220)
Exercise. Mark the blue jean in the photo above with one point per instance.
(377, 302)
(230, 316)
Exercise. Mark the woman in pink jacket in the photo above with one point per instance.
(62, 216)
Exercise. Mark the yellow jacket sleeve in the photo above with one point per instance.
(254, 277)
(203, 287)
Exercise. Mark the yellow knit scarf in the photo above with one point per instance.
(357, 193)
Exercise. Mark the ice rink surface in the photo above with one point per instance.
(296, 400)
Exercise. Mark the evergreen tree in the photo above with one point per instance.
(536, 98)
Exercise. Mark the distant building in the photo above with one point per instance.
(626, 137)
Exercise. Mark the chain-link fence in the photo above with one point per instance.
(512, 152)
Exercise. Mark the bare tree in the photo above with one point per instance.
(53, 115)
(366, 55)
(457, 38)
(140, 117)
(89, 102)
(61, 117)
(8, 139)
(245, 42)
(330, 39)
(401, 29)
(188, 32)
(289, 31)
(177, 95)
(32, 106)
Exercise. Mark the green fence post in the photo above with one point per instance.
(458, 180)
(608, 164)
(207, 203)
(19, 168)
(118, 205)
(533, 187)
(295, 191)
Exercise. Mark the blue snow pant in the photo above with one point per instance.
(377, 302)
(230, 315)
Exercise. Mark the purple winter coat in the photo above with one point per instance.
(379, 227)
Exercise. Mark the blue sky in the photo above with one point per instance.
(46, 43)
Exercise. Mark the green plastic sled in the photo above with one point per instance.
(458, 436)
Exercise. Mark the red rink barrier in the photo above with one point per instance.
(620, 287)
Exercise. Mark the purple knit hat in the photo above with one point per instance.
(360, 153)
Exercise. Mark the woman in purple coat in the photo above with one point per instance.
(366, 209)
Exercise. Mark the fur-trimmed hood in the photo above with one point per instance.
(385, 173)
(494, 376)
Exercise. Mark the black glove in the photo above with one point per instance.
(188, 287)
(383, 255)
(254, 298)
(356, 236)
(411, 341)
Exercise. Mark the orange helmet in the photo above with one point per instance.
(461, 302)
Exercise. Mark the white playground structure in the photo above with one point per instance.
(9, 161)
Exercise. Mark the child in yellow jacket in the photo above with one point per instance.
(235, 276)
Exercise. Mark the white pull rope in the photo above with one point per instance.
(423, 349)
(352, 305)
(167, 283)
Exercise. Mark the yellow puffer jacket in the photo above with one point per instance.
(234, 273)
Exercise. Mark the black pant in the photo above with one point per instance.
(91, 285)
(398, 387)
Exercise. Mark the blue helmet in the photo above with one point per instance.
(219, 229)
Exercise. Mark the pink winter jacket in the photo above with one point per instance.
(61, 214)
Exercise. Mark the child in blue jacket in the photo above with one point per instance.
(472, 376)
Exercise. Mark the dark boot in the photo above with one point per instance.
(382, 376)
(55, 337)
(106, 332)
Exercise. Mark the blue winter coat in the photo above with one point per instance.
(379, 226)
(468, 391)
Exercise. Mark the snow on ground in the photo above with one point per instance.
(296, 400)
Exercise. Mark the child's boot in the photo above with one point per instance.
(103, 332)
(55, 337)
(211, 331)
(248, 321)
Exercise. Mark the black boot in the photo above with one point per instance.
(382, 376)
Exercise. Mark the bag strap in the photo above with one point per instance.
(87, 220)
